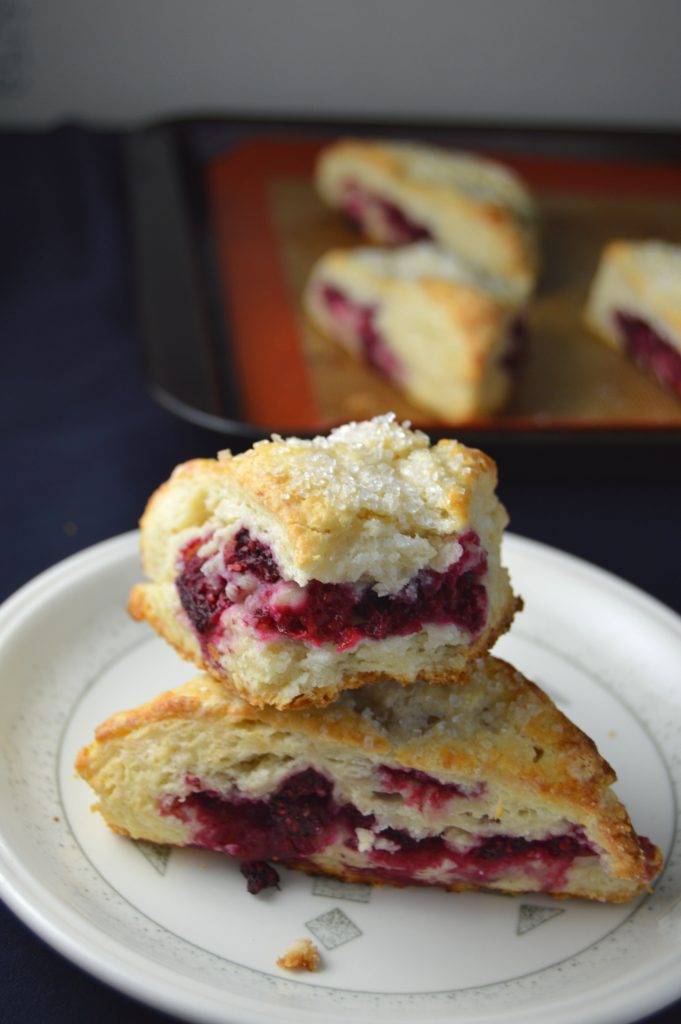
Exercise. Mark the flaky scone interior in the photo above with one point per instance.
(400, 191)
(483, 786)
(302, 568)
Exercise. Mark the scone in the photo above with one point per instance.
(635, 306)
(442, 332)
(401, 192)
(302, 568)
(483, 786)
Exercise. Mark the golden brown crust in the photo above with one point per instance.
(271, 473)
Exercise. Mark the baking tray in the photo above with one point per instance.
(226, 225)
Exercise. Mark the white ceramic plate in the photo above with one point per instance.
(178, 929)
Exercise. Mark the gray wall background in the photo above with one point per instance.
(609, 62)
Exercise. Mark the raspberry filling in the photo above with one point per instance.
(380, 217)
(204, 600)
(358, 323)
(298, 820)
(259, 875)
(649, 350)
(302, 818)
(422, 791)
(338, 613)
(517, 346)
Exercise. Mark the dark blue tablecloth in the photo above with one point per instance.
(83, 445)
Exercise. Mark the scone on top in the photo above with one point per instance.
(635, 306)
(483, 786)
(446, 334)
(304, 567)
(399, 192)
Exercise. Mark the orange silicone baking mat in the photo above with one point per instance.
(270, 228)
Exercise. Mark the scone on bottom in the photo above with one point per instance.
(635, 306)
(400, 192)
(446, 335)
(483, 786)
(302, 568)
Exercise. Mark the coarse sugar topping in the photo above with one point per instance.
(372, 502)
(379, 467)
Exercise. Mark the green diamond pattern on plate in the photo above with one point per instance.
(333, 928)
(531, 916)
(332, 887)
(157, 856)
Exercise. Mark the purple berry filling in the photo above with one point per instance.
(366, 209)
(515, 356)
(297, 820)
(336, 613)
(259, 875)
(302, 818)
(421, 790)
(359, 322)
(649, 350)
(202, 600)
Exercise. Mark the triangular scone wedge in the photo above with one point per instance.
(446, 335)
(483, 786)
(302, 568)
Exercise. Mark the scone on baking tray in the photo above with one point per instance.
(400, 192)
(304, 567)
(444, 333)
(635, 306)
(483, 786)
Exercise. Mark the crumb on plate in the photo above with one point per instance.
(302, 955)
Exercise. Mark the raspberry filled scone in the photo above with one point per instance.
(305, 567)
(483, 786)
(400, 192)
(448, 336)
(634, 306)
